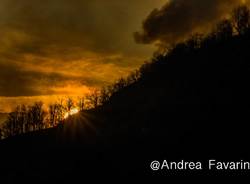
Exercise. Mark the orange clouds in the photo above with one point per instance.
(59, 47)
(55, 48)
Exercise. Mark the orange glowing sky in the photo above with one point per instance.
(55, 48)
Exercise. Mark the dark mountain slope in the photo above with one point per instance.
(192, 103)
(203, 90)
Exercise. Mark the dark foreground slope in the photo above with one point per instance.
(191, 104)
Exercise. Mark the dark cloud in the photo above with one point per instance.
(60, 26)
(179, 18)
(13, 82)
(17, 82)
(50, 47)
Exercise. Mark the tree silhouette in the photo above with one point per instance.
(105, 94)
(70, 104)
(133, 77)
(81, 104)
(224, 30)
(52, 115)
(241, 19)
(37, 115)
(1, 134)
(94, 99)
(194, 42)
(174, 74)
(11, 124)
(23, 119)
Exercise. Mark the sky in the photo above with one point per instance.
(54, 48)
(67, 47)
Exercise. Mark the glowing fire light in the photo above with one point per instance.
(71, 112)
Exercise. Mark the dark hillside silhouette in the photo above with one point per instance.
(191, 101)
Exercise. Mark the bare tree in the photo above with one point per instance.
(22, 119)
(10, 125)
(133, 77)
(70, 104)
(241, 19)
(1, 134)
(105, 95)
(81, 103)
(94, 99)
(37, 115)
(60, 110)
(224, 30)
(8, 128)
(52, 115)
(29, 122)
(194, 42)
(120, 84)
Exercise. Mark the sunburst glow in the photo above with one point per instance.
(71, 112)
